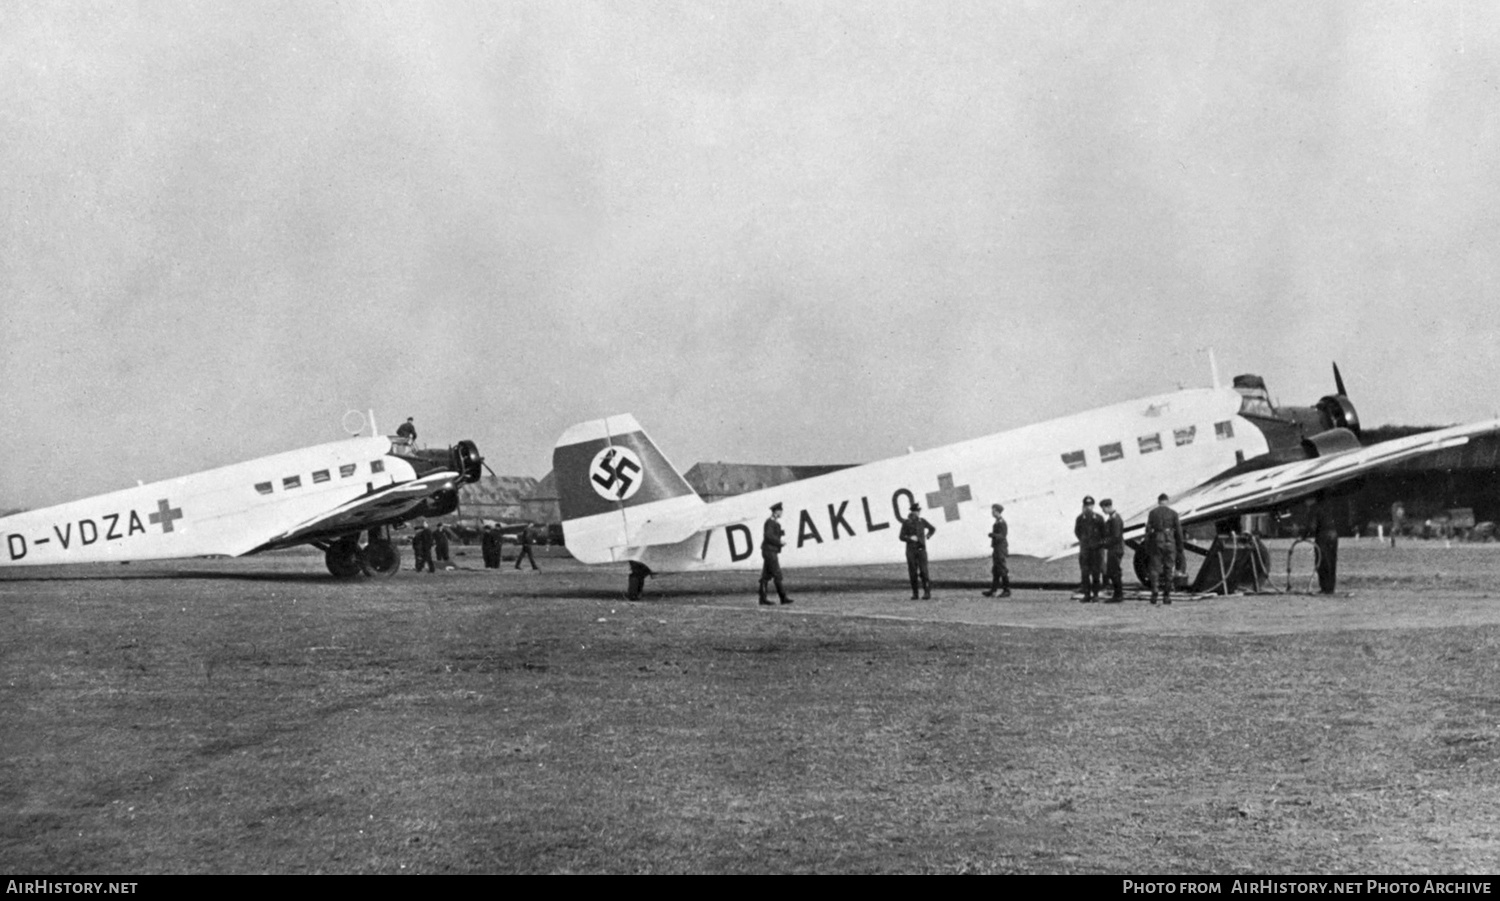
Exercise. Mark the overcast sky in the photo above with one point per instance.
(797, 233)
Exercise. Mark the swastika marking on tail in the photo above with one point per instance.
(616, 473)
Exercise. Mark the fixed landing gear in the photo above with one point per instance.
(379, 557)
(344, 558)
(637, 582)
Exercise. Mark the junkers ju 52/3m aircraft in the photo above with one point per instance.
(1218, 453)
(328, 496)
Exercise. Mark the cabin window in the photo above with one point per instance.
(1223, 430)
(1149, 444)
(377, 466)
(347, 470)
(320, 476)
(1184, 436)
(1108, 452)
(263, 487)
(1074, 460)
(291, 482)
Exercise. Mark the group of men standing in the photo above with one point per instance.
(1101, 550)
(490, 544)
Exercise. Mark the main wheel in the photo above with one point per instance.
(1140, 561)
(381, 558)
(344, 559)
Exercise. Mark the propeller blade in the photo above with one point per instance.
(1339, 380)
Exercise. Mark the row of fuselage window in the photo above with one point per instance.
(1146, 444)
(322, 475)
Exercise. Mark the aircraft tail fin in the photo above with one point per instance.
(617, 491)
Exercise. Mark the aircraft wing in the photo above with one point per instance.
(1266, 489)
(369, 510)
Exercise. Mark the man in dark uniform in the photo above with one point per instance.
(489, 545)
(999, 550)
(1164, 543)
(526, 548)
(421, 548)
(771, 544)
(408, 431)
(1114, 551)
(1088, 528)
(914, 534)
(440, 542)
(1323, 529)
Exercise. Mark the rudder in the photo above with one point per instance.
(616, 490)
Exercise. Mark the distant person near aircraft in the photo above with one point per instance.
(1398, 515)
(489, 547)
(1088, 528)
(407, 431)
(999, 552)
(440, 543)
(771, 544)
(1164, 542)
(1322, 528)
(421, 548)
(1114, 551)
(526, 548)
(914, 534)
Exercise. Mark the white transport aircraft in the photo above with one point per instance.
(1217, 452)
(329, 496)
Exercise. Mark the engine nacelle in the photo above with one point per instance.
(440, 504)
(1330, 442)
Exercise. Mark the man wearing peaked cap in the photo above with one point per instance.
(914, 534)
(1088, 528)
(770, 554)
(1114, 551)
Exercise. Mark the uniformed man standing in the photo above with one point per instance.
(489, 545)
(771, 544)
(421, 548)
(1114, 551)
(914, 534)
(1165, 544)
(1323, 529)
(999, 551)
(440, 542)
(526, 548)
(1088, 528)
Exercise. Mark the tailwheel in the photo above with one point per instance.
(344, 558)
(381, 558)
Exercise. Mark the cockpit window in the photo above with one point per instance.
(1253, 405)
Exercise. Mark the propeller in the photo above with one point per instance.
(1336, 410)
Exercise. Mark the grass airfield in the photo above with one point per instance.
(257, 716)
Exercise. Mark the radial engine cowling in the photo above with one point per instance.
(466, 460)
(1337, 412)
